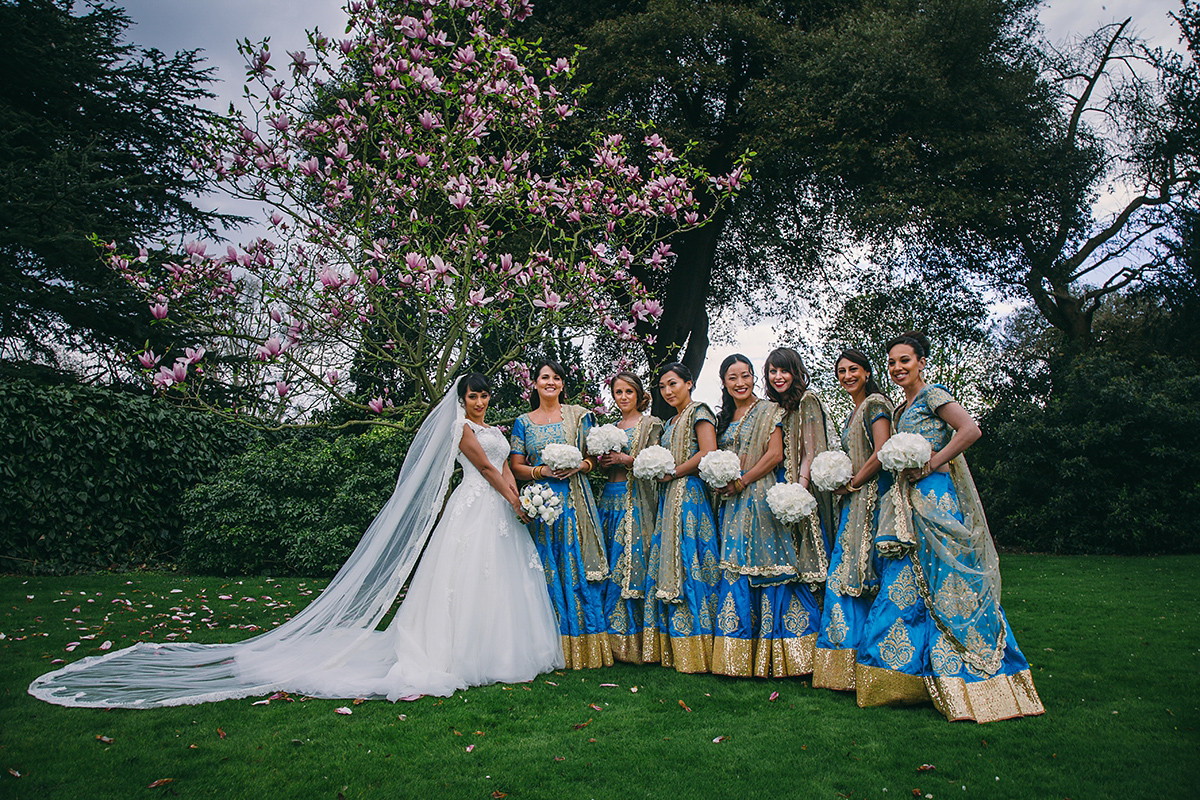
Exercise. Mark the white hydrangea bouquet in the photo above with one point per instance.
(606, 439)
(558, 456)
(905, 451)
(653, 462)
(790, 502)
(831, 470)
(720, 467)
(540, 501)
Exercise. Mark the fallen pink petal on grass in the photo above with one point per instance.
(470, 747)
(774, 696)
(719, 739)
(342, 710)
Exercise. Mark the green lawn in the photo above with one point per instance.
(1114, 643)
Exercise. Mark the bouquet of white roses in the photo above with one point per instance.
(720, 467)
(790, 502)
(905, 451)
(539, 500)
(606, 439)
(653, 462)
(831, 470)
(561, 456)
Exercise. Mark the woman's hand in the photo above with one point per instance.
(735, 486)
(667, 477)
(520, 512)
(913, 474)
(616, 458)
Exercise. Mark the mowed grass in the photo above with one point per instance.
(1114, 643)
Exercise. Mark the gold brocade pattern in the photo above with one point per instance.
(837, 628)
(945, 657)
(694, 569)
(903, 591)
(998, 697)
(876, 686)
(682, 620)
(784, 658)
(795, 619)
(626, 648)
(619, 618)
(727, 620)
(945, 502)
(955, 598)
(834, 669)
(766, 616)
(896, 648)
(711, 571)
(689, 653)
(589, 651)
(733, 657)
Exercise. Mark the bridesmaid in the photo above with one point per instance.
(805, 434)
(852, 579)
(628, 508)
(681, 569)
(936, 631)
(764, 612)
(572, 549)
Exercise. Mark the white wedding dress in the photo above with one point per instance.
(477, 610)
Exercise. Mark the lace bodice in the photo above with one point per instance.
(495, 447)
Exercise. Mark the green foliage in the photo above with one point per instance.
(90, 478)
(299, 506)
(1107, 464)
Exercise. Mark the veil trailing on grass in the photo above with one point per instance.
(306, 653)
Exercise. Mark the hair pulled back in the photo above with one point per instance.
(858, 357)
(643, 397)
(475, 382)
(917, 341)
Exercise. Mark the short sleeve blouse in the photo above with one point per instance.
(920, 416)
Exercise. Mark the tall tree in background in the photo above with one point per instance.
(93, 137)
(871, 120)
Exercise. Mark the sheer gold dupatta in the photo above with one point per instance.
(807, 430)
(682, 444)
(581, 501)
(641, 496)
(855, 573)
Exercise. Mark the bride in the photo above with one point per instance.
(476, 611)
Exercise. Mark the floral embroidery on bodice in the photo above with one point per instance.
(919, 416)
(495, 447)
(530, 439)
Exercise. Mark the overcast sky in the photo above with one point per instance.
(215, 26)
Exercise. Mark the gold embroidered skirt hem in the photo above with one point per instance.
(686, 653)
(763, 658)
(879, 686)
(998, 697)
(626, 648)
(834, 669)
(588, 651)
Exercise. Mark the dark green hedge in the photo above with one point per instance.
(91, 478)
(1110, 463)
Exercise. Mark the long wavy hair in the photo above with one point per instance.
(643, 397)
(535, 400)
(788, 360)
(728, 405)
(858, 357)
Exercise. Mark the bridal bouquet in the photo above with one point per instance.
(720, 467)
(561, 456)
(790, 502)
(606, 439)
(653, 462)
(905, 451)
(831, 470)
(539, 500)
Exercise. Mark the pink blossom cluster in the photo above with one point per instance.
(423, 208)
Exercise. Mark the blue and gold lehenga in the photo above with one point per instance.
(853, 579)
(628, 509)
(936, 630)
(572, 549)
(681, 566)
(766, 618)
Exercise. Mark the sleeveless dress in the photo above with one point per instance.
(578, 602)
(930, 634)
(476, 611)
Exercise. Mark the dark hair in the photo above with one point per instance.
(725, 415)
(917, 341)
(475, 382)
(535, 399)
(683, 372)
(643, 399)
(858, 357)
(788, 360)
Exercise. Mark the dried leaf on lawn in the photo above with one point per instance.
(581, 725)
(102, 738)
(160, 782)
(684, 706)
(221, 733)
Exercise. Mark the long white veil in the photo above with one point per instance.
(297, 655)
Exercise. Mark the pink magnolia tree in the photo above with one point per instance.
(420, 218)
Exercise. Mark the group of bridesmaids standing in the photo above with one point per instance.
(890, 588)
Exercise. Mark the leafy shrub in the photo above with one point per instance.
(91, 477)
(1110, 463)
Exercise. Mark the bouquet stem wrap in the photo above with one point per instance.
(682, 444)
(630, 573)
(580, 499)
(806, 431)
(856, 572)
